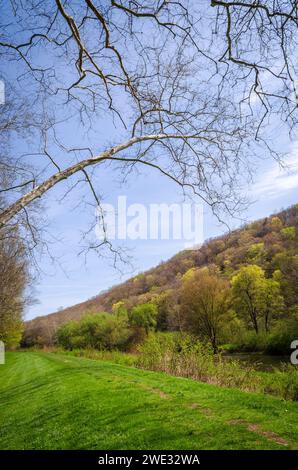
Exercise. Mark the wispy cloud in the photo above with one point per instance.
(279, 179)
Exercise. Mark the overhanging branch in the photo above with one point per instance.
(42, 188)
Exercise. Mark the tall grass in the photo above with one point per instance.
(117, 357)
(282, 382)
(180, 355)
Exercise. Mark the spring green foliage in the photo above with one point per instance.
(205, 301)
(289, 233)
(99, 331)
(11, 327)
(247, 287)
(256, 298)
(56, 401)
(282, 336)
(204, 306)
(277, 342)
(181, 355)
(119, 309)
(14, 279)
(143, 316)
(259, 262)
(105, 331)
(272, 302)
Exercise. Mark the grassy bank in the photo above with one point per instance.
(161, 353)
(56, 401)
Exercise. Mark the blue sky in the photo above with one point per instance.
(72, 278)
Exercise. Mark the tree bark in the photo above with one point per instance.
(42, 188)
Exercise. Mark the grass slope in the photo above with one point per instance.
(54, 401)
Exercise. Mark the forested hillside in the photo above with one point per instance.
(270, 244)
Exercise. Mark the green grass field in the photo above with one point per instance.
(55, 401)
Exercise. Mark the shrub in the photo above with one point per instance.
(99, 331)
(249, 341)
(279, 341)
(143, 316)
(181, 355)
(289, 233)
(66, 333)
(283, 383)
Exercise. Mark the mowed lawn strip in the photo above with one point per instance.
(55, 401)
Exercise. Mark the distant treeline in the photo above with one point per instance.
(239, 291)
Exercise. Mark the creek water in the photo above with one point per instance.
(259, 361)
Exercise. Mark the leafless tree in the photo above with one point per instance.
(261, 48)
(17, 175)
(185, 87)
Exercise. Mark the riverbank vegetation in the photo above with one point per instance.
(238, 292)
(182, 355)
